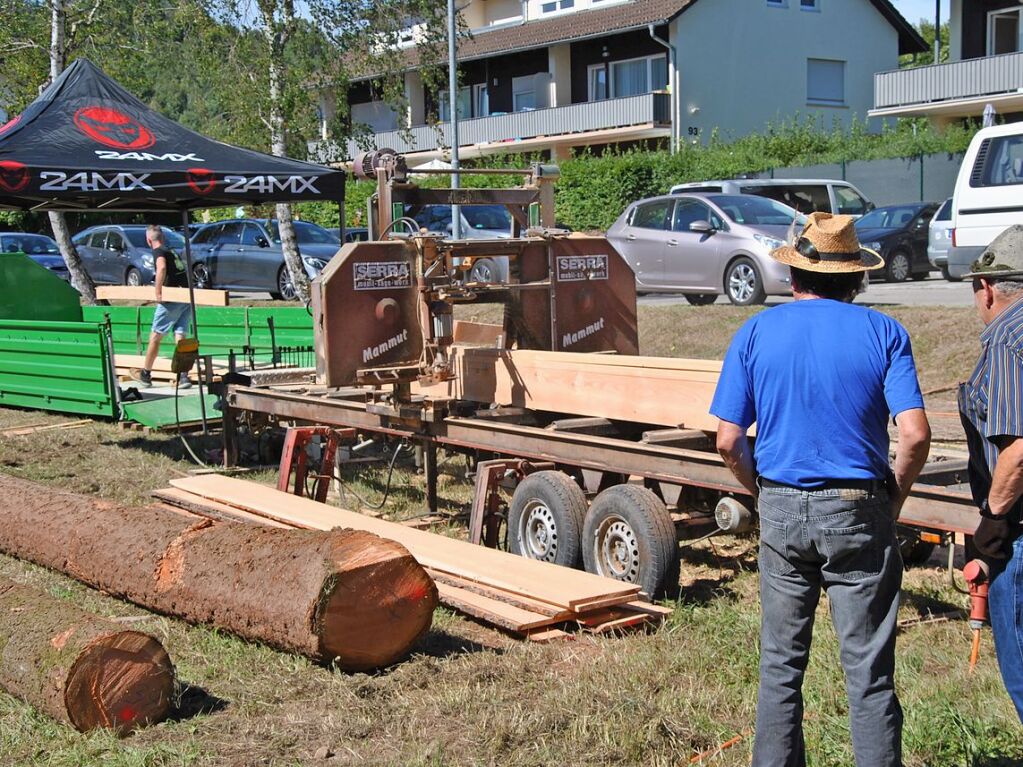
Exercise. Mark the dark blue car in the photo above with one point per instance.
(899, 234)
(40, 248)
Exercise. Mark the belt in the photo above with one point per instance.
(870, 485)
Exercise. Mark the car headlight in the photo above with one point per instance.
(771, 243)
(873, 246)
(316, 264)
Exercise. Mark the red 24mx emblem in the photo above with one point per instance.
(201, 180)
(113, 128)
(14, 176)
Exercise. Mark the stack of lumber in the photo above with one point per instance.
(79, 668)
(522, 596)
(169, 295)
(343, 596)
(653, 390)
(125, 363)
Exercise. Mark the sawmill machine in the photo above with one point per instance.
(383, 309)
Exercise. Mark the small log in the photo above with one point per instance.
(340, 595)
(79, 668)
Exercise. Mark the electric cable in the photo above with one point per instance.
(177, 421)
(387, 486)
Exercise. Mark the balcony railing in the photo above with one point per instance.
(649, 108)
(972, 78)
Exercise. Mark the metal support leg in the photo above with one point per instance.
(430, 449)
(230, 416)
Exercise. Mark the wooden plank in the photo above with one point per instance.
(649, 607)
(478, 333)
(692, 439)
(517, 600)
(24, 431)
(170, 295)
(196, 504)
(543, 636)
(491, 610)
(543, 581)
(160, 364)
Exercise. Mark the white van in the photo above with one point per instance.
(988, 196)
(807, 195)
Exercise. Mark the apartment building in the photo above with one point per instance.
(558, 75)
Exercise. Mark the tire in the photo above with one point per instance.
(545, 521)
(700, 299)
(913, 550)
(285, 290)
(898, 267)
(947, 275)
(133, 277)
(484, 270)
(201, 277)
(628, 535)
(743, 284)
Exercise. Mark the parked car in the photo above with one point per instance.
(702, 245)
(939, 240)
(246, 254)
(479, 222)
(805, 195)
(352, 233)
(119, 254)
(899, 233)
(40, 248)
(988, 196)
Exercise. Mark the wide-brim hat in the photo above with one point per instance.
(828, 244)
(1003, 258)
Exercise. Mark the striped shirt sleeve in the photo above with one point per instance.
(1005, 393)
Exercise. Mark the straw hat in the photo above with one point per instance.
(828, 244)
(1003, 258)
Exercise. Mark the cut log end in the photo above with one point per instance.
(375, 613)
(121, 681)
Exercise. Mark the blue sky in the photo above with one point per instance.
(914, 10)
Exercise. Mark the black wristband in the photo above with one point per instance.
(985, 511)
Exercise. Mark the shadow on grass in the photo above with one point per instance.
(440, 644)
(195, 701)
(925, 604)
(703, 591)
(168, 446)
(995, 761)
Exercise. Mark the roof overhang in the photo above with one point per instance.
(955, 108)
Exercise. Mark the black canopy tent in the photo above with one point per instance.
(88, 144)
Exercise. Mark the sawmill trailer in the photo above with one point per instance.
(589, 487)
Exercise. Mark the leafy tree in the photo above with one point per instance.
(926, 30)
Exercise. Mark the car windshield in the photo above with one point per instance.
(306, 234)
(31, 244)
(487, 216)
(137, 238)
(888, 218)
(755, 211)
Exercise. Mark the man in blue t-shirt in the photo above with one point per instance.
(821, 377)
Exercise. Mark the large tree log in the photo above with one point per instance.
(341, 595)
(79, 668)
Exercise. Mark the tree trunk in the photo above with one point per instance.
(80, 278)
(79, 668)
(340, 595)
(277, 31)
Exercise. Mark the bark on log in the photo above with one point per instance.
(341, 595)
(79, 668)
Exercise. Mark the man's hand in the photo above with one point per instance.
(734, 447)
(911, 454)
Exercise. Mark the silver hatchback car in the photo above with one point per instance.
(703, 245)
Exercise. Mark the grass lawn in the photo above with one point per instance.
(470, 695)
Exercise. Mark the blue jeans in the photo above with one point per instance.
(1005, 606)
(844, 542)
(174, 317)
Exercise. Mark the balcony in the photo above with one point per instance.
(955, 89)
(623, 119)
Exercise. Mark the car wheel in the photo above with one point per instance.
(133, 277)
(947, 275)
(700, 299)
(484, 270)
(201, 277)
(898, 267)
(743, 284)
(285, 289)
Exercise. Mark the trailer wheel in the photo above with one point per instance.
(545, 520)
(914, 551)
(628, 535)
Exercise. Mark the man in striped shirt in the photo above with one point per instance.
(991, 406)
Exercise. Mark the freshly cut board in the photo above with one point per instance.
(170, 295)
(543, 581)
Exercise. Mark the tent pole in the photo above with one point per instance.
(191, 301)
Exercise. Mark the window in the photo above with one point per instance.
(98, 239)
(804, 198)
(652, 215)
(809, 5)
(206, 234)
(1001, 164)
(523, 93)
(251, 235)
(480, 100)
(825, 82)
(945, 211)
(688, 211)
(556, 5)
(637, 76)
(777, 3)
(230, 234)
(115, 242)
(464, 104)
(848, 202)
(597, 82)
(1005, 31)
